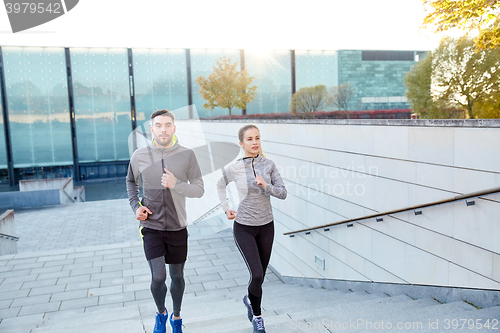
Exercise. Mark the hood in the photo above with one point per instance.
(161, 150)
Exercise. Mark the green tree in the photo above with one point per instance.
(309, 99)
(226, 87)
(477, 17)
(453, 76)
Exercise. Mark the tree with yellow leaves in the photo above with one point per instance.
(480, 18)
(226, 87)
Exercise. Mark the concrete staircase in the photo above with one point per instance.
(287, 308)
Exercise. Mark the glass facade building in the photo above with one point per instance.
(69, 111)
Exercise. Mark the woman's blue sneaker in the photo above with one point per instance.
(160, 323)
(176, 324)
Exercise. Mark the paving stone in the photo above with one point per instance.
(226, 261)
(14, 294)
(144, 294)
(105, 291)
(60, 274)
(202, 257)
(11, 273)
(205, 278)
(24, 266)
(137, 286)
(46, 270)
(38, 284)
(79, 303)
(59, 263)
(219, 250)
(47, 290)
(85, 271)
(77, 266)
(52, 258)
(235, 274)
(236, 266)
(219, 284)
(116, 281)
(107, 262)
(67, 295)
(142, 278)
(198, 264)
(74, 279)
(193, 288)
(117, 298)
(132, 260)
(111, 251)
(140, 264)
(30, 300)
(81, 255)
(9, 268)
(117, 256)
(108, 275)
(9, 313)
(5, 304)
(10, 286)
(14, 262)
(195, 252)
(39, 308)
(82, 285)
(88, 259)
(22, 278)
(138, 271)
(113, 268)
(210, 269)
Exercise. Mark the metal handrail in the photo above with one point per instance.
(433, 203)
(9, 236)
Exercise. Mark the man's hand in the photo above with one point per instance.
(231, 214)
(168, 179)
(142, 213)
(260, 181)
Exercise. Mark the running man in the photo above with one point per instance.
(170, 173)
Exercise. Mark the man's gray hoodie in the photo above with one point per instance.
(168, 206)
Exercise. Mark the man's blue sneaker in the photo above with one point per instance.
(176, 324)
(160, 323)
(246, 301)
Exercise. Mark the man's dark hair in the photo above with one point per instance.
(162, 113)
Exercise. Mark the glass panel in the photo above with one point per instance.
(37, 98)
(3, 150)
(160, 81)
(272, 72)
(202, 63)
(102, 103)
(316, 67)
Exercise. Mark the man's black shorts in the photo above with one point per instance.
(169, 244)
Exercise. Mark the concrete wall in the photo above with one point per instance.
(340, 169)
(8, 245)
(10, 200)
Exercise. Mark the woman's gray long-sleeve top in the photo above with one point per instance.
(255, 202)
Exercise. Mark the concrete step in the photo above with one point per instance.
(106, 317)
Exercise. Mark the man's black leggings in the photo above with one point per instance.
(159, 288)
(255, 244)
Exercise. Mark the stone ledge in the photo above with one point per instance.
(482, 123)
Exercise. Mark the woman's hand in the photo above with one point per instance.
(231, 214)
(260, 181)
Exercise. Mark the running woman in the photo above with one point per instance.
(256, 178)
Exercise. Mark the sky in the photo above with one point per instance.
(233, 24)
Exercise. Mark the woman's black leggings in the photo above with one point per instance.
(255, 244)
